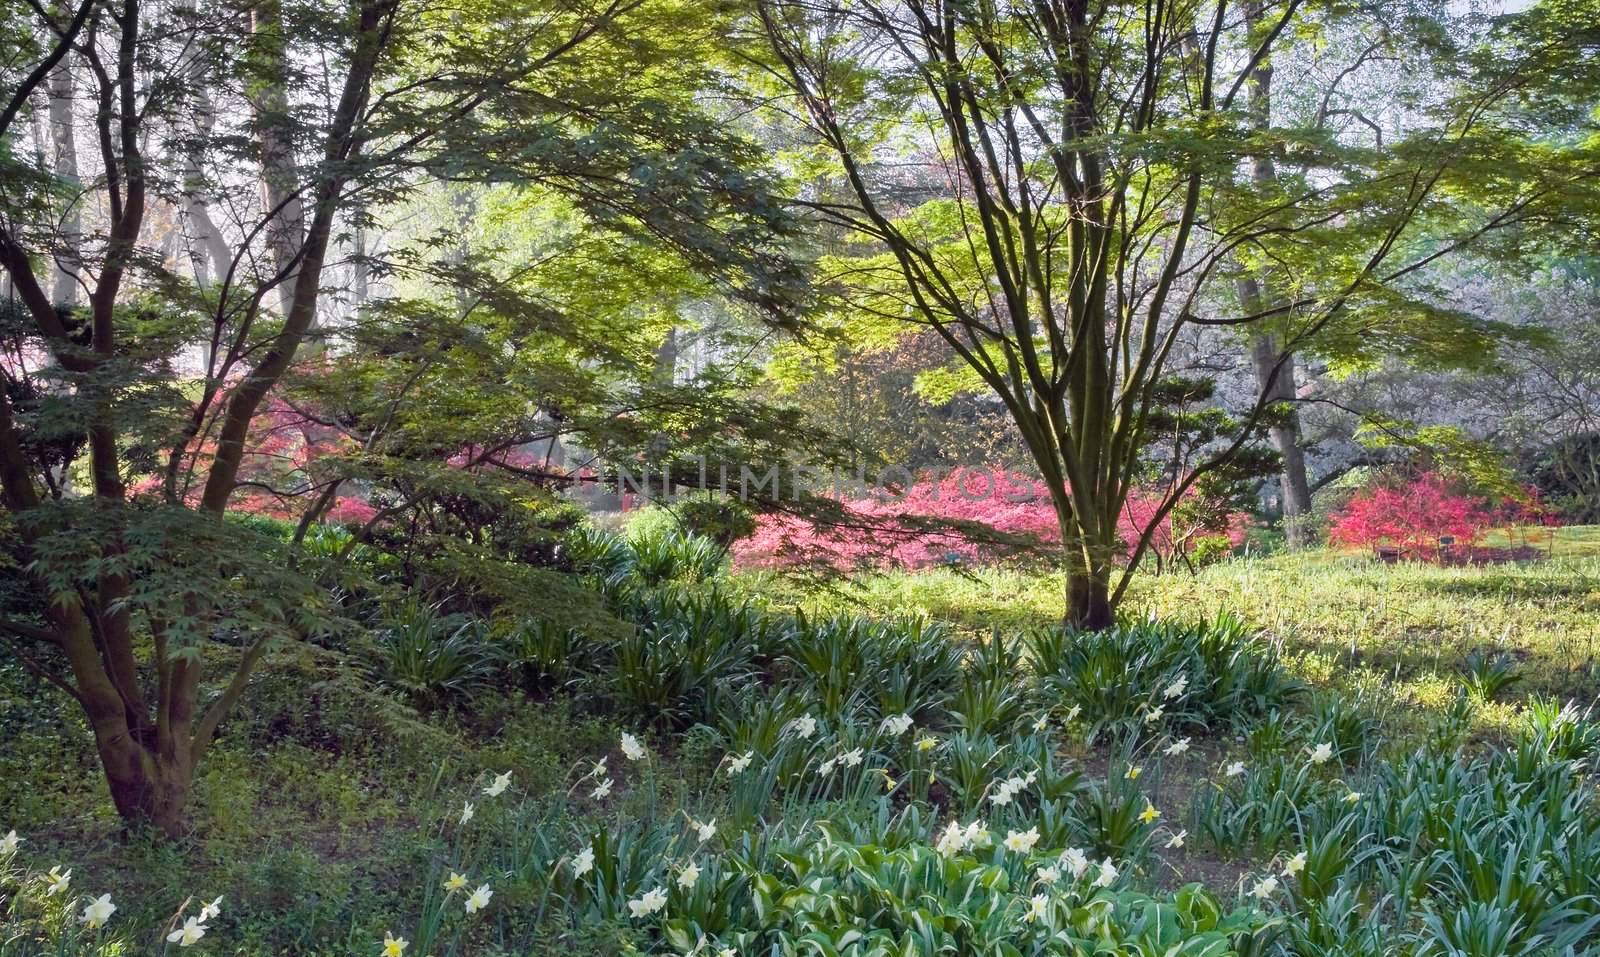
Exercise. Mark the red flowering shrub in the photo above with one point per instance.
(1412, 516)
(897, 533)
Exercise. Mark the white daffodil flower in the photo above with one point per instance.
(58, 881)
(189, 934)
(479, 899)
(583, 863)
(688, 876)
(1264, 888)
(1021, 842)
(1108, 874)
(99, 911)
(631, 748)
(648, 904)
(498, 786)
(896, 724)
(1176, 748)
(1322, 753)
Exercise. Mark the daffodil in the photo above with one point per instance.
(631, 748)
(454, 883)
(601, 790)
(498, 786)
(851, 758)
(648, 904)
(1042, 723)
(189, 934)
(1076, 862)
(1176, 840)
(1177, 688)
(1264, 888)
(705, 831)
(1021, 842)
(927, 743)
(1073, 712)
(888, 782)
(805, 726)
(977, 835)
(1177, 747)
(1154, 714)
(583, 863)
(1352, 797)
(1295, 865)
(1108, 874)
(599, 769)
(479, 899)
(467, 810)
(896, 724)
(688, 876)
(1235, 769)
(826, 767)
(1321, 753)
(740, 763)
(1133, 773)
(58, 881)
(99, 911)
(1038, 907)
(727, 952)
(211, 910)
(1047, 873)
(8, 844)
(394, 946)
(1149, 813)
(952, 841)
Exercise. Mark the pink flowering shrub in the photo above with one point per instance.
(935, 521)
(1412, 516)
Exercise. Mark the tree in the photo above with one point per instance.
(1095, 165)
(213, 116)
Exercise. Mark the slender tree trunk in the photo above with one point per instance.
(280, 178)
(64, 164)
(1255, 295)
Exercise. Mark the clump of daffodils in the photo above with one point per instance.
(956, 838)
(648, 904)
(896, 724)
(1010, 788)
(1021, 842)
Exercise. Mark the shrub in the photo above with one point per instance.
(972, 516)
(1411, 515)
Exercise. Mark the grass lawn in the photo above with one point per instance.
(1396, 634)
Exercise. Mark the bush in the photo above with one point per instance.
(1411, 515)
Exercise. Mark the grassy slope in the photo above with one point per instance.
(318, 811)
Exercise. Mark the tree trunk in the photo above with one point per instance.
(64, 163)
(1254, 297)
(1293, 484)
(1089, 601)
